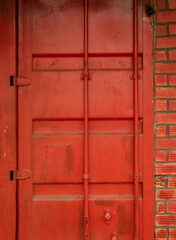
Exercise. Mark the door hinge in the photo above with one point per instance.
(20, 81)
(20, 174)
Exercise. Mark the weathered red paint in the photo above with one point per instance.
(84, 120)
(7, 122)
(136, 121)
(86, 175)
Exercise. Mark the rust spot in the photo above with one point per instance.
(124, 220)
(81, 225)
(43, 175)
(104, 203)
(97, 5)
(116, 91)
(69, 159)
(6, 10)
(124, 141)
(128, 156)
(46, 8)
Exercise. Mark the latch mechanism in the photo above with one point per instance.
(107, 217)
(20, 174)
(20, 81)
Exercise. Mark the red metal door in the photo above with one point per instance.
(84, 94)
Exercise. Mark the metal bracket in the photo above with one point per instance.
(83, 76)
(86, 176)
(20, 174)
(133, 177)
(137, 177)
(20, 81)
(131, 76)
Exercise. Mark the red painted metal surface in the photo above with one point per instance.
(7, 121)
(86, 127)
(136, 122)
(84, 120)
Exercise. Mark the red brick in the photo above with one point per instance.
(161, 234)
(172, 80)
(160, 207)
(163, 194)
(172, 131)
(166, 16)
(166, 118)
(161, 30)
(172, 234)
(172, 182)
(161, 80)
(166, 42)
(172, 105)
(160, 182)
(171, 207)
(172, 4)
(161, 105)
(161, 131)
(160, 56)
(165, 169)
(172, 55)
(172, 29)
(165, 143)
(166, 220)
(161, 4)
(166, 92)
(166, 67)
(160, 156)
(172, 156)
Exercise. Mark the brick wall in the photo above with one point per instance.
(165, 118)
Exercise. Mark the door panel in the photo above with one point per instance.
(67, 19)
(106, 21)
(114, 90)
(58, 158)
(51, 120)
(57, 95)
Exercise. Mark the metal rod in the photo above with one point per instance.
(136, 121)
(86, 147)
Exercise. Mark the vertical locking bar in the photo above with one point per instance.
(136, 119)
(86, 147)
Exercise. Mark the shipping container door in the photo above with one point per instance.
(52, 121)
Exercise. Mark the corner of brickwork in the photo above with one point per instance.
(165, 118)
